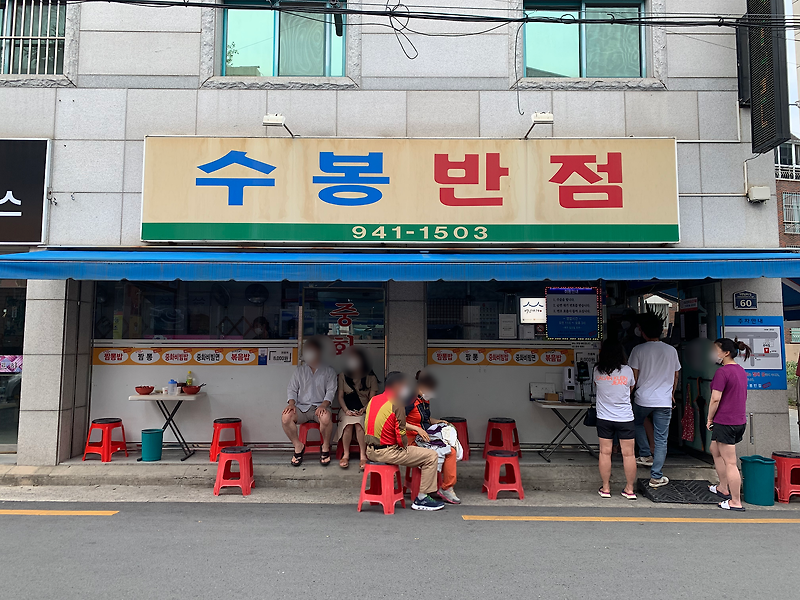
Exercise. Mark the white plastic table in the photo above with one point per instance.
(580, 408)
(160, 400)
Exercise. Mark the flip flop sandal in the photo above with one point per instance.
(344, 463)
(725, 505)
(630, 496)
(323, 456)
(298, 457)
(361, 465)
(713, 489)
(604, 494)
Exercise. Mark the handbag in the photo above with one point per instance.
(590, 420)
(687, 421)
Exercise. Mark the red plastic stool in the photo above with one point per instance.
(412, 479)
(385, 487)
(219, 426)
(313, 445)
(787, 481)
(460, 423)
(501, 434)
(494, 481)
(106, 446)
(225, 476)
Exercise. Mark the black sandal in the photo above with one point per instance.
(323, 456)
(298, 456)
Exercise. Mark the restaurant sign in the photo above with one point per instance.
(520, 357)
(401, 191)
(192, 356)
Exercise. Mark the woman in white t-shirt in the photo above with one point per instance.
(613, 380)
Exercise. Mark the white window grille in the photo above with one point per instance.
(791, 213)
(32, 37)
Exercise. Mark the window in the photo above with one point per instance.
(795, 332)
(791, 213)
(196, 310)
(564, 49)
(286, 43)
(32, 37)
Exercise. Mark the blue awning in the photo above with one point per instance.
(160, 265)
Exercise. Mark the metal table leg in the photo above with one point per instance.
(569, 427)
(170, 422)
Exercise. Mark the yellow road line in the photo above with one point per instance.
(61, 513)
(630, 519)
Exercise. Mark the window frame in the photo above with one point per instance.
(329, 26)
(11, 55)
(792, 211)
(580, 6)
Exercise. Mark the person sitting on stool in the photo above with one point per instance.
(385, 429)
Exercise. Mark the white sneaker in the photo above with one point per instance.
(645, 461)
(449, 496)
(657, 483)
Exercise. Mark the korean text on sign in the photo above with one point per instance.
(578, 164)
(351, 175)
(470, 167)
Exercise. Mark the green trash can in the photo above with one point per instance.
(758, 475)
(151, 444)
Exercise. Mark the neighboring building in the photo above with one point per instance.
(787, 180)
(428, 244)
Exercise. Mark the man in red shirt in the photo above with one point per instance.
(385, 436)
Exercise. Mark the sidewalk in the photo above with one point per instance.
(568, 472)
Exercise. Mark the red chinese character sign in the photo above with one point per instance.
(410, 191)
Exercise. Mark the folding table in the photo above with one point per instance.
(580, 409)
(161, 400)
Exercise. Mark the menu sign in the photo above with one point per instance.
(193, 356)
(520, 357)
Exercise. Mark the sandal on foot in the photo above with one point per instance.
(725, 505)
(629, 496)
(323, 456)
(344, 463)
(713, 489)
(362, 463)
(297, 457)
(604, 494)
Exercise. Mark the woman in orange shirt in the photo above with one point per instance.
(418, 419)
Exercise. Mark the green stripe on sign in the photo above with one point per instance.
(408, 233)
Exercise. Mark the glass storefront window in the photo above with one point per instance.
(203, 310)
(340, 311)
(12, 328)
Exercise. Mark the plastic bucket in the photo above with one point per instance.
(758, 474)
(151, 444)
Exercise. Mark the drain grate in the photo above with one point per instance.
(679, 492)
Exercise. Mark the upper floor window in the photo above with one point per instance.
(285, 43)
(791, 213)
(564, 49)
(787, 161)
(32, 37)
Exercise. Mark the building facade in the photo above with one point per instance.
(96, 79)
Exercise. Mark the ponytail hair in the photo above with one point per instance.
(734, 347)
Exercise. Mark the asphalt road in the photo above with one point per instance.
(202, 550)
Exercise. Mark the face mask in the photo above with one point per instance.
(716, 358)
(258, 330)
(353, 365)
(637, 332)
(309, 356)
(429, 396)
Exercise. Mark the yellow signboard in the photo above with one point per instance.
(520, 357)
(384, 191)
(194, 356)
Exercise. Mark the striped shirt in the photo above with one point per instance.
(385, 423)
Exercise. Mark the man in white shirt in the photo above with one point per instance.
(311, 391)
(656, 368)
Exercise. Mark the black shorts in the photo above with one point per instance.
(624, 430)
(727, 434)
